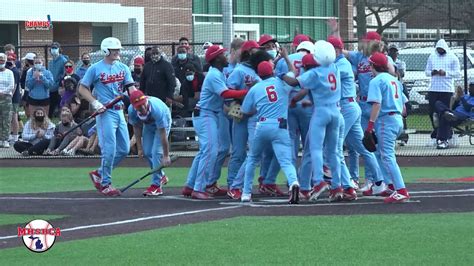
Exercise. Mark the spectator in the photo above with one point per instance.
(138, 63)
(449, 118)
(442, 66)
(158, 78)
(29, 60)
(400, 65)
(37, 134)
(92, 147)
(11, 59)
(81, 143)
(86, 63)
(147, 54)
(7, 87)
(203, 59)
(183, 41)
(39, 82)
(68, 73)
(190, 89)
(181, 63)
(56, 66)
(10, 49)
(59, 141)
(69, 97)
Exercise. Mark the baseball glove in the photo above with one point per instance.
(369, 140)
(235, 112)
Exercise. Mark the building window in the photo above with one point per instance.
(9, 33)
(99, 33)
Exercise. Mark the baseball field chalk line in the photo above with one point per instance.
(257, 205)
(155, 217)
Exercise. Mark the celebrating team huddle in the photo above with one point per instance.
(263, 107)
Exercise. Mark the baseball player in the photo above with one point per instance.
(242, 77)
(371, 43)
(324, 83)
(155, 116)
(351, 113)
(270, 100)
(110, 79)
(388, 103)
(206, 123)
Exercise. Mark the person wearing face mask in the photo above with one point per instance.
(268, 43)
(39, 81)
(137, 70)
(28, 63)
(68, 72)
(186, 55)
(69, 98)
(10, 64)
(10, 49)
(190, 89)
(158, 78)
(59, 141)
(182, 61)
(7, 86)
(37, 134)
(443, 67)
(56, 66)
(86, 63)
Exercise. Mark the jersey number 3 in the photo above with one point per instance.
(271, 94)
(394, 84)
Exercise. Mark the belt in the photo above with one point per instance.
(363, 98)
(261, 119)
(349, 99)
(392, 113)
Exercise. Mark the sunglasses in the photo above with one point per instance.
(68, 66)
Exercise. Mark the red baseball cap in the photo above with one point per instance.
(137, 98)
(213, 51)
(336, 42)
(378, 59)
(299, 39)
(264, 39)
(264, 69)
(308, 61)
(139, 61)
(372, 36)
(249, 45)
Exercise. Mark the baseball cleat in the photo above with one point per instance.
(305, 194)
(234, 193)
(260, 182)
(153, 190)
(215, 191)
(355, 184)
(318, 190)
(336, 194)
(368, 184)
(397, 197)
(294, 193)
(271, 190)
(164, 180)
(187, 191)
(200, 195)
(376, 190)
(388, 191)
(96, 179)
(110, 191)
(349, 194)
(246, 198)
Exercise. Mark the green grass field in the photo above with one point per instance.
(23, 218)
(75, 179)
(424, 239)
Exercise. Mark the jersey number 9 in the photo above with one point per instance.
(332, 81)
(271, 94)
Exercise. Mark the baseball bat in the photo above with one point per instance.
(172, 158)
(107, 106)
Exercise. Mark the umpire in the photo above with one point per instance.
(158, 78)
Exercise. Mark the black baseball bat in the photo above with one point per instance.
(93, 115)
(172, 158)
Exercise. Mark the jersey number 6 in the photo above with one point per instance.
(332, 81)
(271, 94)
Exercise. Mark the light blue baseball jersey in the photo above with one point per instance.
(212, 88)
(158, 116)
(282, 68)
(324, 83)
(108, 80)
(242, 77)
(388, 91)
(269, 97)
(347, 77)
(229, 69)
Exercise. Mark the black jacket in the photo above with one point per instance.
(158, 80)
(192, 58)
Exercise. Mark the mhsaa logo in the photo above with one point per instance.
(38, 235)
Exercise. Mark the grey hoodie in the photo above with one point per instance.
(448, 62)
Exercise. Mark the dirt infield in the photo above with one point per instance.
(92, 215)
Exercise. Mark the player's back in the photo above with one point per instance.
(324, 83)
(296, 59)
(391, 91)
(242, 77)
(347, 77)
(270, 98)
(212, 87)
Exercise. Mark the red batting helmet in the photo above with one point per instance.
(213, 51)
(299, 39)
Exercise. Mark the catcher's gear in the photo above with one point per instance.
(235, 112)
(370, 141)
